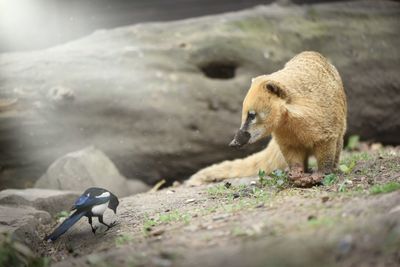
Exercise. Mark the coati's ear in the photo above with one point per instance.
(275, 89)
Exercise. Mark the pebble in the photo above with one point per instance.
(345, 244)
(158, 232)
(220, 217)
(191, 200)
(311, 217)
(324, 199)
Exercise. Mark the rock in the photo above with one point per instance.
(190, 200)
(85, 168)
(163, 100)
(52, 201)
(22, 222)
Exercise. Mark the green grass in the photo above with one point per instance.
(385, 188)
(277, 179)
(13, 253)
(323, 221)
(123, 239)
(218, 191)
(330, 179)
(61, 214)
(164, 218)
(174, 216)
(353, 142)
(356, 157)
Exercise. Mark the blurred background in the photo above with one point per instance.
(152, 90)
(38, 24)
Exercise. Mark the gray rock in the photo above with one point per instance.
(89, 167)
(52, 201)
(23, 223)
(163, 100)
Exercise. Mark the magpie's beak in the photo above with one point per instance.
(241, 138)
(115, 211)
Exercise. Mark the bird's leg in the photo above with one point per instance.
(91, 225)
(108, 225)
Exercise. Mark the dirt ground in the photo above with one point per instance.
(352, 219)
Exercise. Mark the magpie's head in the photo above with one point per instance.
(114, 202)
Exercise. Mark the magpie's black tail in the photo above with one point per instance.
(66, 224)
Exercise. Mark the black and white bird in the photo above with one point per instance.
(92, 203)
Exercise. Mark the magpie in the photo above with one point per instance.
(92, 203)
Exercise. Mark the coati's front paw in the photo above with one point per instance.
(309, 180)
(201, 178)
(295, 173)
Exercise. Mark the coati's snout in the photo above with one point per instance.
(241, 138)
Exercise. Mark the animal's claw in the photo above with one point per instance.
(111, 225)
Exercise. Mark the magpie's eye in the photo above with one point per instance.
(251, 115)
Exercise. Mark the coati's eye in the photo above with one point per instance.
(251, 115)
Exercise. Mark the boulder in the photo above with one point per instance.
(163, 100)
(23, 223)
(85, 168)
(51, 201)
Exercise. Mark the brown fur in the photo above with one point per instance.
(303, 107)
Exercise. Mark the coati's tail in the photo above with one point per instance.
(268, 160)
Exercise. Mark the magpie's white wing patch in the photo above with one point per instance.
(105, 194)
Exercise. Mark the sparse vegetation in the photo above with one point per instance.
(323, 221)
(385, 188)
(62, 214)
(218, 215)
(123, 239)
(330, 179)
(164, 218)
(15, 254)
(277, 179)
(353, 142)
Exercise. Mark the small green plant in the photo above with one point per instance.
(217, 191)
(174, 216)
(13, 253)
(342, 186)
(261, 176)
(346, 169)
(62, 214)
(385, 188)
(353, 143)
(123, 239)
(277, 178)
(148, 224)
(329, 179)
(323, 221)
(238, 231)
(348, 163)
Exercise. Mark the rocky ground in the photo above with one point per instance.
(352, 219)
(169, 100)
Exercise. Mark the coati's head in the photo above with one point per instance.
(263, 108)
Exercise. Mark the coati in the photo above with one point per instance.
(303, 107)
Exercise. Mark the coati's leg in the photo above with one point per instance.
(268, 160)
(326, 155)
(339, 147)
(297, 159)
